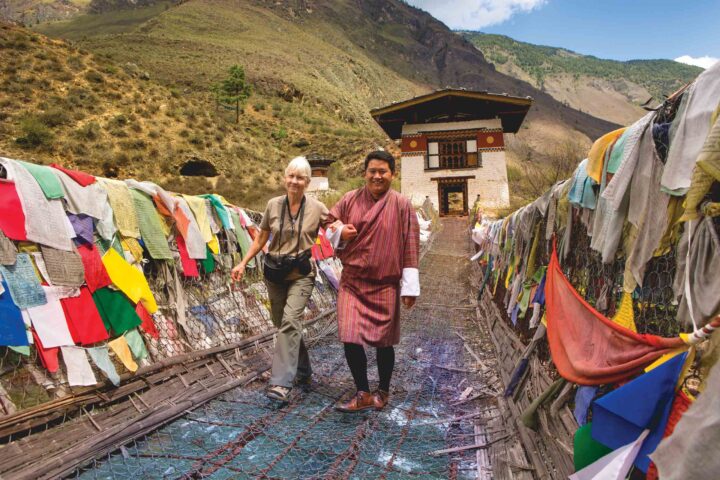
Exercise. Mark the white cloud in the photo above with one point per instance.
(475, 14)
(702, 62)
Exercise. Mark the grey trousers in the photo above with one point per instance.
(287, 304)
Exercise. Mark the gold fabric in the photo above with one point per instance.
(199, 209)
(625, 315)
(133, 246)
(122, 205)
(122, 350)
(707, 170)
(596, 156)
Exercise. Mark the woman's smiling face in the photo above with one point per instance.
(295, 182)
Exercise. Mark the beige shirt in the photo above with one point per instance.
(315, 214)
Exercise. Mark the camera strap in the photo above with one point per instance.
(300, 214)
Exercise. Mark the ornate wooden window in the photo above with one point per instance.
(451, 153)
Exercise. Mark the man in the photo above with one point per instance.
(380, 234)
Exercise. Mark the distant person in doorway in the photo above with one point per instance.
(379, 252)
(293, 220)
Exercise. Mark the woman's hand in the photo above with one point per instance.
(238, 272)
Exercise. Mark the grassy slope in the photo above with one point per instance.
(606, 88)
(173, 119)
(316, 73)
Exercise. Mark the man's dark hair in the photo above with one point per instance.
(383, 156)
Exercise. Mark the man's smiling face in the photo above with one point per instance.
(378, 177)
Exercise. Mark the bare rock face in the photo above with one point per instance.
(290, 93)
(32, 12)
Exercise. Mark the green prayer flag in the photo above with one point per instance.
(529, 416)
(116, 310)
(150, 226)
(208, 264)
(22, 349)
(136, 344)
(587, 451)
(220, 209)
(46, 178)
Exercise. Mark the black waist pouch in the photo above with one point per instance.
(275, 268)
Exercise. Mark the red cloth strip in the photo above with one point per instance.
(12, 217)
(588, 348)
(189, 266)
(82, 178)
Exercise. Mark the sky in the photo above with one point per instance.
(686, 30)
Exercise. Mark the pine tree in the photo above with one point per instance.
(233, 90)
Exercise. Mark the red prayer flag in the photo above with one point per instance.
(588, 348)
(83, 319)
(189, 266)
(48, 356)
(12, 217)
(680, 405)
(148, 325)
(96, 275)
(82, 178)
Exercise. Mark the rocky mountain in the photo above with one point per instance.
(317, 68)
(607, 89)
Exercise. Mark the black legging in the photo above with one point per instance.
(357, 361)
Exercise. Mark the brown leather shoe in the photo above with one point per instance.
(380, 399)
(359, 402)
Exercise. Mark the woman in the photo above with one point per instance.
(293, 220)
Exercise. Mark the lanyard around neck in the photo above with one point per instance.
(300, 215)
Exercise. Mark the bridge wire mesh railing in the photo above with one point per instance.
(37, 404)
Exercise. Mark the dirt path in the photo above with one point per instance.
(244, 435)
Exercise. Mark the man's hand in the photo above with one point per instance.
(335, 225)
(237, 273)
(408, 302)
(348, 232)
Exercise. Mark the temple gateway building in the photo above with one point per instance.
(453, 148)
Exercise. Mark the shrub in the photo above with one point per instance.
(54, 117)
(118, 121)
(94, 76)
(35, 133)
(89, 131)
(280, 134)
(76, 62)
(81, 97)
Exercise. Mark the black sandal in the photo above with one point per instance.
(279, 393)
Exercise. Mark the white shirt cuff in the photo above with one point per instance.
(335, 237)
(410, 283)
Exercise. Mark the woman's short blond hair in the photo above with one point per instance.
(299, 165)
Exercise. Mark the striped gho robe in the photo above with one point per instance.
(387, 245)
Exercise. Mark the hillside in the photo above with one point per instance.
(317, 68)
(607, 89)
(60, 103)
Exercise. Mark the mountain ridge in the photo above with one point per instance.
(610, 89)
